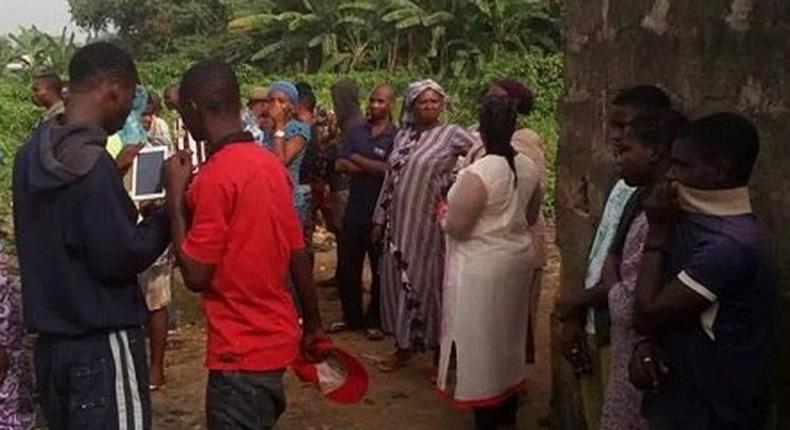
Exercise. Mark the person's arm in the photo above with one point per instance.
(197, 249)
(301, 270)
(572, 306)
(463, 141)
(374, 167)
(291, 148)
(660, 304)
(465, 206)
(302, 273)
(115, 245)
(347, 166)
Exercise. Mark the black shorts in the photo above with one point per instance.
(94, 382)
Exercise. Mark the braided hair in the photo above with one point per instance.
(497, 118)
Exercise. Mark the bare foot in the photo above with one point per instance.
(156, 379)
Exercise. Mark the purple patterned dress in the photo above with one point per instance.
(16, 392)
(622, 401)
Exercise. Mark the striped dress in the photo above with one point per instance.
(412, 264)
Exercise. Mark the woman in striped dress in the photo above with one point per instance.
(412, 266)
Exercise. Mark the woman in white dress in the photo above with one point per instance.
(486, 299)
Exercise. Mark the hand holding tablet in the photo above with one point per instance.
(147, 173)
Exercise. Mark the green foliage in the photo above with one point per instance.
(151, 28)
(34, 52)
(17, 117)
(443, 37)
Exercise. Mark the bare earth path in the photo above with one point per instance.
(403, 400)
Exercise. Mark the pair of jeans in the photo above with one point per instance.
(355, 242)
(94, 382)
(244, 400)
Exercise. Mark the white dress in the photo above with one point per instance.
(486, 288)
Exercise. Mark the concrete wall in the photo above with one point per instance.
(710, 55)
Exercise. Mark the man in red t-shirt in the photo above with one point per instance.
(236, 247)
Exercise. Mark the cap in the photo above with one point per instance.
(258, 93)
(341, 377)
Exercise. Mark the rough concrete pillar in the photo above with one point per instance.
(710, 55)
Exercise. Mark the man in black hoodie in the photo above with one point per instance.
(80, 249)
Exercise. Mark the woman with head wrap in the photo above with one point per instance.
(527, 142)
(289, 140)
(412, 268)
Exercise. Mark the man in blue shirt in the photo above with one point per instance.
(705, 295)
(363, 155)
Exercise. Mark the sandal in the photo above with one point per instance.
(338, 327)
(394, 362)
(374, 334)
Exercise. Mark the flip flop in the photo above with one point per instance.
(374, 334)
(338, 327)
(392, 364)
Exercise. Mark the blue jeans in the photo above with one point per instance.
(242, 400)
(94, 382)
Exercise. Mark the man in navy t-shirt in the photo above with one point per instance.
(364, 156)
(705, 295)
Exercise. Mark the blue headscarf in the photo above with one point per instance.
(133, 132)
(287, 88)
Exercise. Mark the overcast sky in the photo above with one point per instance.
(48, 15)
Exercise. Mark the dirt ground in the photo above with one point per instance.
(402, 400)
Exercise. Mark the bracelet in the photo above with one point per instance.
(279, 134)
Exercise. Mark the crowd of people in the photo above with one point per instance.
(671, 329)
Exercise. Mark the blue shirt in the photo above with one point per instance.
(719, 367)
(365, 187)
(301, 196)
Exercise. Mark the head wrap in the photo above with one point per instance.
(286, 88)
(414, 91)
(133, 132)
(258, 94)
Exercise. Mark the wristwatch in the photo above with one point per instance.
(279, 134)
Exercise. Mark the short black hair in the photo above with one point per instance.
(523, 96)
(643, 98)
(154, 102)
(307, 99)
(101, 60)
(303, 87)
(727, 137)
(657, 129)
(213, 86)
(51, 80)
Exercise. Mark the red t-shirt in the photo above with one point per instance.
(245, 225)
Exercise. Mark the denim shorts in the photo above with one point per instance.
(94, 382)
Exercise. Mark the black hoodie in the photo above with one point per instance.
(80, 246)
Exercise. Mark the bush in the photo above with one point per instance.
(17, 118)
(542, 73)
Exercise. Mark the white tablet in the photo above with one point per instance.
(147, 173)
